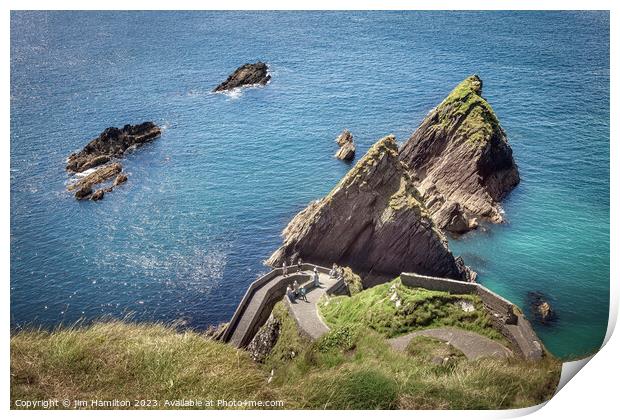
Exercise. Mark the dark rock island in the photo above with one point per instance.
(111, 144)
(461, 160)
(246, 75)
(373, 221)
(347, 146)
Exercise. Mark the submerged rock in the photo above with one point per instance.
(541, 307)
(373, 221)
(112, 142)
(247, 74)
(461, 160)
(545, 311)
(347, 146)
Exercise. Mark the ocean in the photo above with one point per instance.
(205, 204)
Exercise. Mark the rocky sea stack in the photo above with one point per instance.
(247, 74)
(461, 160)
(347, 146)
(111, 144)
(373, 221)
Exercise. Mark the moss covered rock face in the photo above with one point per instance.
(461, 160)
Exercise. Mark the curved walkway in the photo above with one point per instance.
(473, 345)
(306, 314)
(262, 294)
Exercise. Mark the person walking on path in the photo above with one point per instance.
(315, 277)
(299, 263)
(302, 294)
(284, 269)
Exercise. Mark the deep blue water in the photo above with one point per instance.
(205, 203)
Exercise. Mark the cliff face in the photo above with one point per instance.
(373, 221)
(461, 160)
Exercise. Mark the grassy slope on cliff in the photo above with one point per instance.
(419, 309)
(348, 368)
(130, 361)
(355, 368)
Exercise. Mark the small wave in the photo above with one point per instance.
(86, 172)
(79, 175)
(234, 93)
(165, 126)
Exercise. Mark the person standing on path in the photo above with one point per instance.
(296, 288)
(284, 269)
(332, 272)
(299, 263)
(315, 278)
(290, 294)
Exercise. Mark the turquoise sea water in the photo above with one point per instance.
(205, 203)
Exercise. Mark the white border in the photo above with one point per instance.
(591, 394)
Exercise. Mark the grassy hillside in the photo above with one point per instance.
(354, 367)
(130, 361)
(417, 309)
(351, 367)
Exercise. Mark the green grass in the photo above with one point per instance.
(351, 367)
(130, 361)
(354, 367)
(419, 309)
(480, 121)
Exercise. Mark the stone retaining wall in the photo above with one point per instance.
(437, 283)
(506, 316)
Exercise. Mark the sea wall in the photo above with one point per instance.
(506, 316)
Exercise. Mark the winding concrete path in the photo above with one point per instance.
(473, 345)
(306, 314)
(262, 294)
